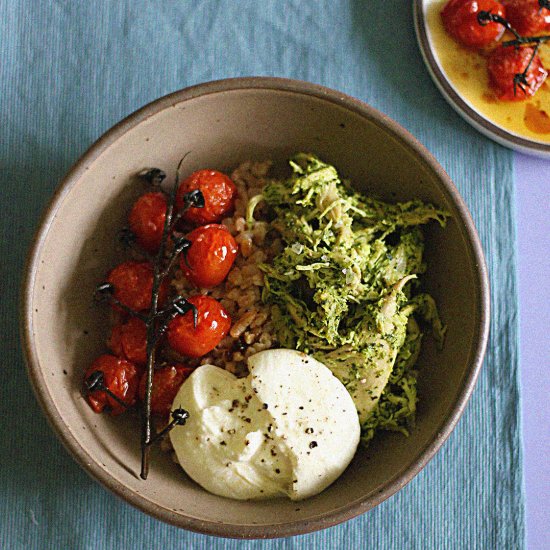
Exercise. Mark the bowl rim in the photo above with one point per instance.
(252, 531)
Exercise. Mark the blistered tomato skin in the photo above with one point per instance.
(133, 284)
(129, 340)
(506, 62)
(213, 323)
(121, 377)
(527, 17)
(147, 218)
(460, 21)
(210, 257)
(166, 384)
(219, 194)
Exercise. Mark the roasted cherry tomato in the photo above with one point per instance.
(219, 194)
(129, 340)
(460, 21)
(166, 383)
(504, 63)
(527, 17)
(211, 255)
(213, 324)
(133, 285)
(120, 376)
(147, 220)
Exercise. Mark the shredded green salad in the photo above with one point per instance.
(345, 290)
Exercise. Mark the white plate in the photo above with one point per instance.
(464, 107)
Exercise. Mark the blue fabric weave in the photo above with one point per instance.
(70, 69)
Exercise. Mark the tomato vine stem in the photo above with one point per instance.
(179, 418)
(192, 199)
(96, 382)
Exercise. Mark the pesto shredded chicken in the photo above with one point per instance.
(345, 287)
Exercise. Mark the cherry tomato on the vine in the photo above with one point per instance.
(211, 255)
(219, 194)
(133, 285)
(460, 21)
(120, 376)
(147, 218)
(213, 323)
(527, 17)
(166, 383)
(504, 63)
(129, 340)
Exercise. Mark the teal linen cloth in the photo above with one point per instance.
(69, 70)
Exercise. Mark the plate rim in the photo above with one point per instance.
(481, 123)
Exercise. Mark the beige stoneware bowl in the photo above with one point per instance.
(222, 124)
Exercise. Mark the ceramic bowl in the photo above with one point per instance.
(221, 124)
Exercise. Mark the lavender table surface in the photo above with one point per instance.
(532, 177)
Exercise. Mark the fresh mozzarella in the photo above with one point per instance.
(289, 428)
(312, 412)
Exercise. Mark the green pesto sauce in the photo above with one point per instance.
(345, 287)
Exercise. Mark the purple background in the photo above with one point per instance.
(532, 177)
